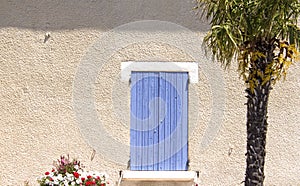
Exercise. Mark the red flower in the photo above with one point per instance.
(53, 170)
(89, 176)
(102, 184)
(76, 174)
(89, 183)
(47, 173)
(82, 179)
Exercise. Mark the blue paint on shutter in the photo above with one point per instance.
(158, 129)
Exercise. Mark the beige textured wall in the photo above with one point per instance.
(38, 80)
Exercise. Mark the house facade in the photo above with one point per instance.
(125, 86)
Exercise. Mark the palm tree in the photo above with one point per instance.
(263, 37)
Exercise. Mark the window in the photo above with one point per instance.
(159, 121)
(159, 114)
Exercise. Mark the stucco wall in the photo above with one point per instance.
(41, 82)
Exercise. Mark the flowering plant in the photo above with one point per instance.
(67, 172)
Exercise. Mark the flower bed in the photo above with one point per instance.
(69, 172)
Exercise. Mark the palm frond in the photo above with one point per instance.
(236, 23)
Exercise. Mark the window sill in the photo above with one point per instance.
(178, 176)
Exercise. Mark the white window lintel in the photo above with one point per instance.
(190, 67)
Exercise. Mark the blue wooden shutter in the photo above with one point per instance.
(159, 121)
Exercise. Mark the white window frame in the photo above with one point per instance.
(126, 69)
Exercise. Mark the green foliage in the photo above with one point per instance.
(253, 32)
(64, 165)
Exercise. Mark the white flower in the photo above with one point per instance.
(55, 182)
(73, 183)
(59, 177)
(76, 167)
(79, 181)
(66, 182)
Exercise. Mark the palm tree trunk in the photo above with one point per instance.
(256, 133)
(257, 110)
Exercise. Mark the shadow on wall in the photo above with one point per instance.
(98, 14)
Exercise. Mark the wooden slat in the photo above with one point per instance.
(156, 130)
(145, 123)
(161, 130)
(185, 122)
(173, 109)
(133, 123)
(179, 103)
(139, 116)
